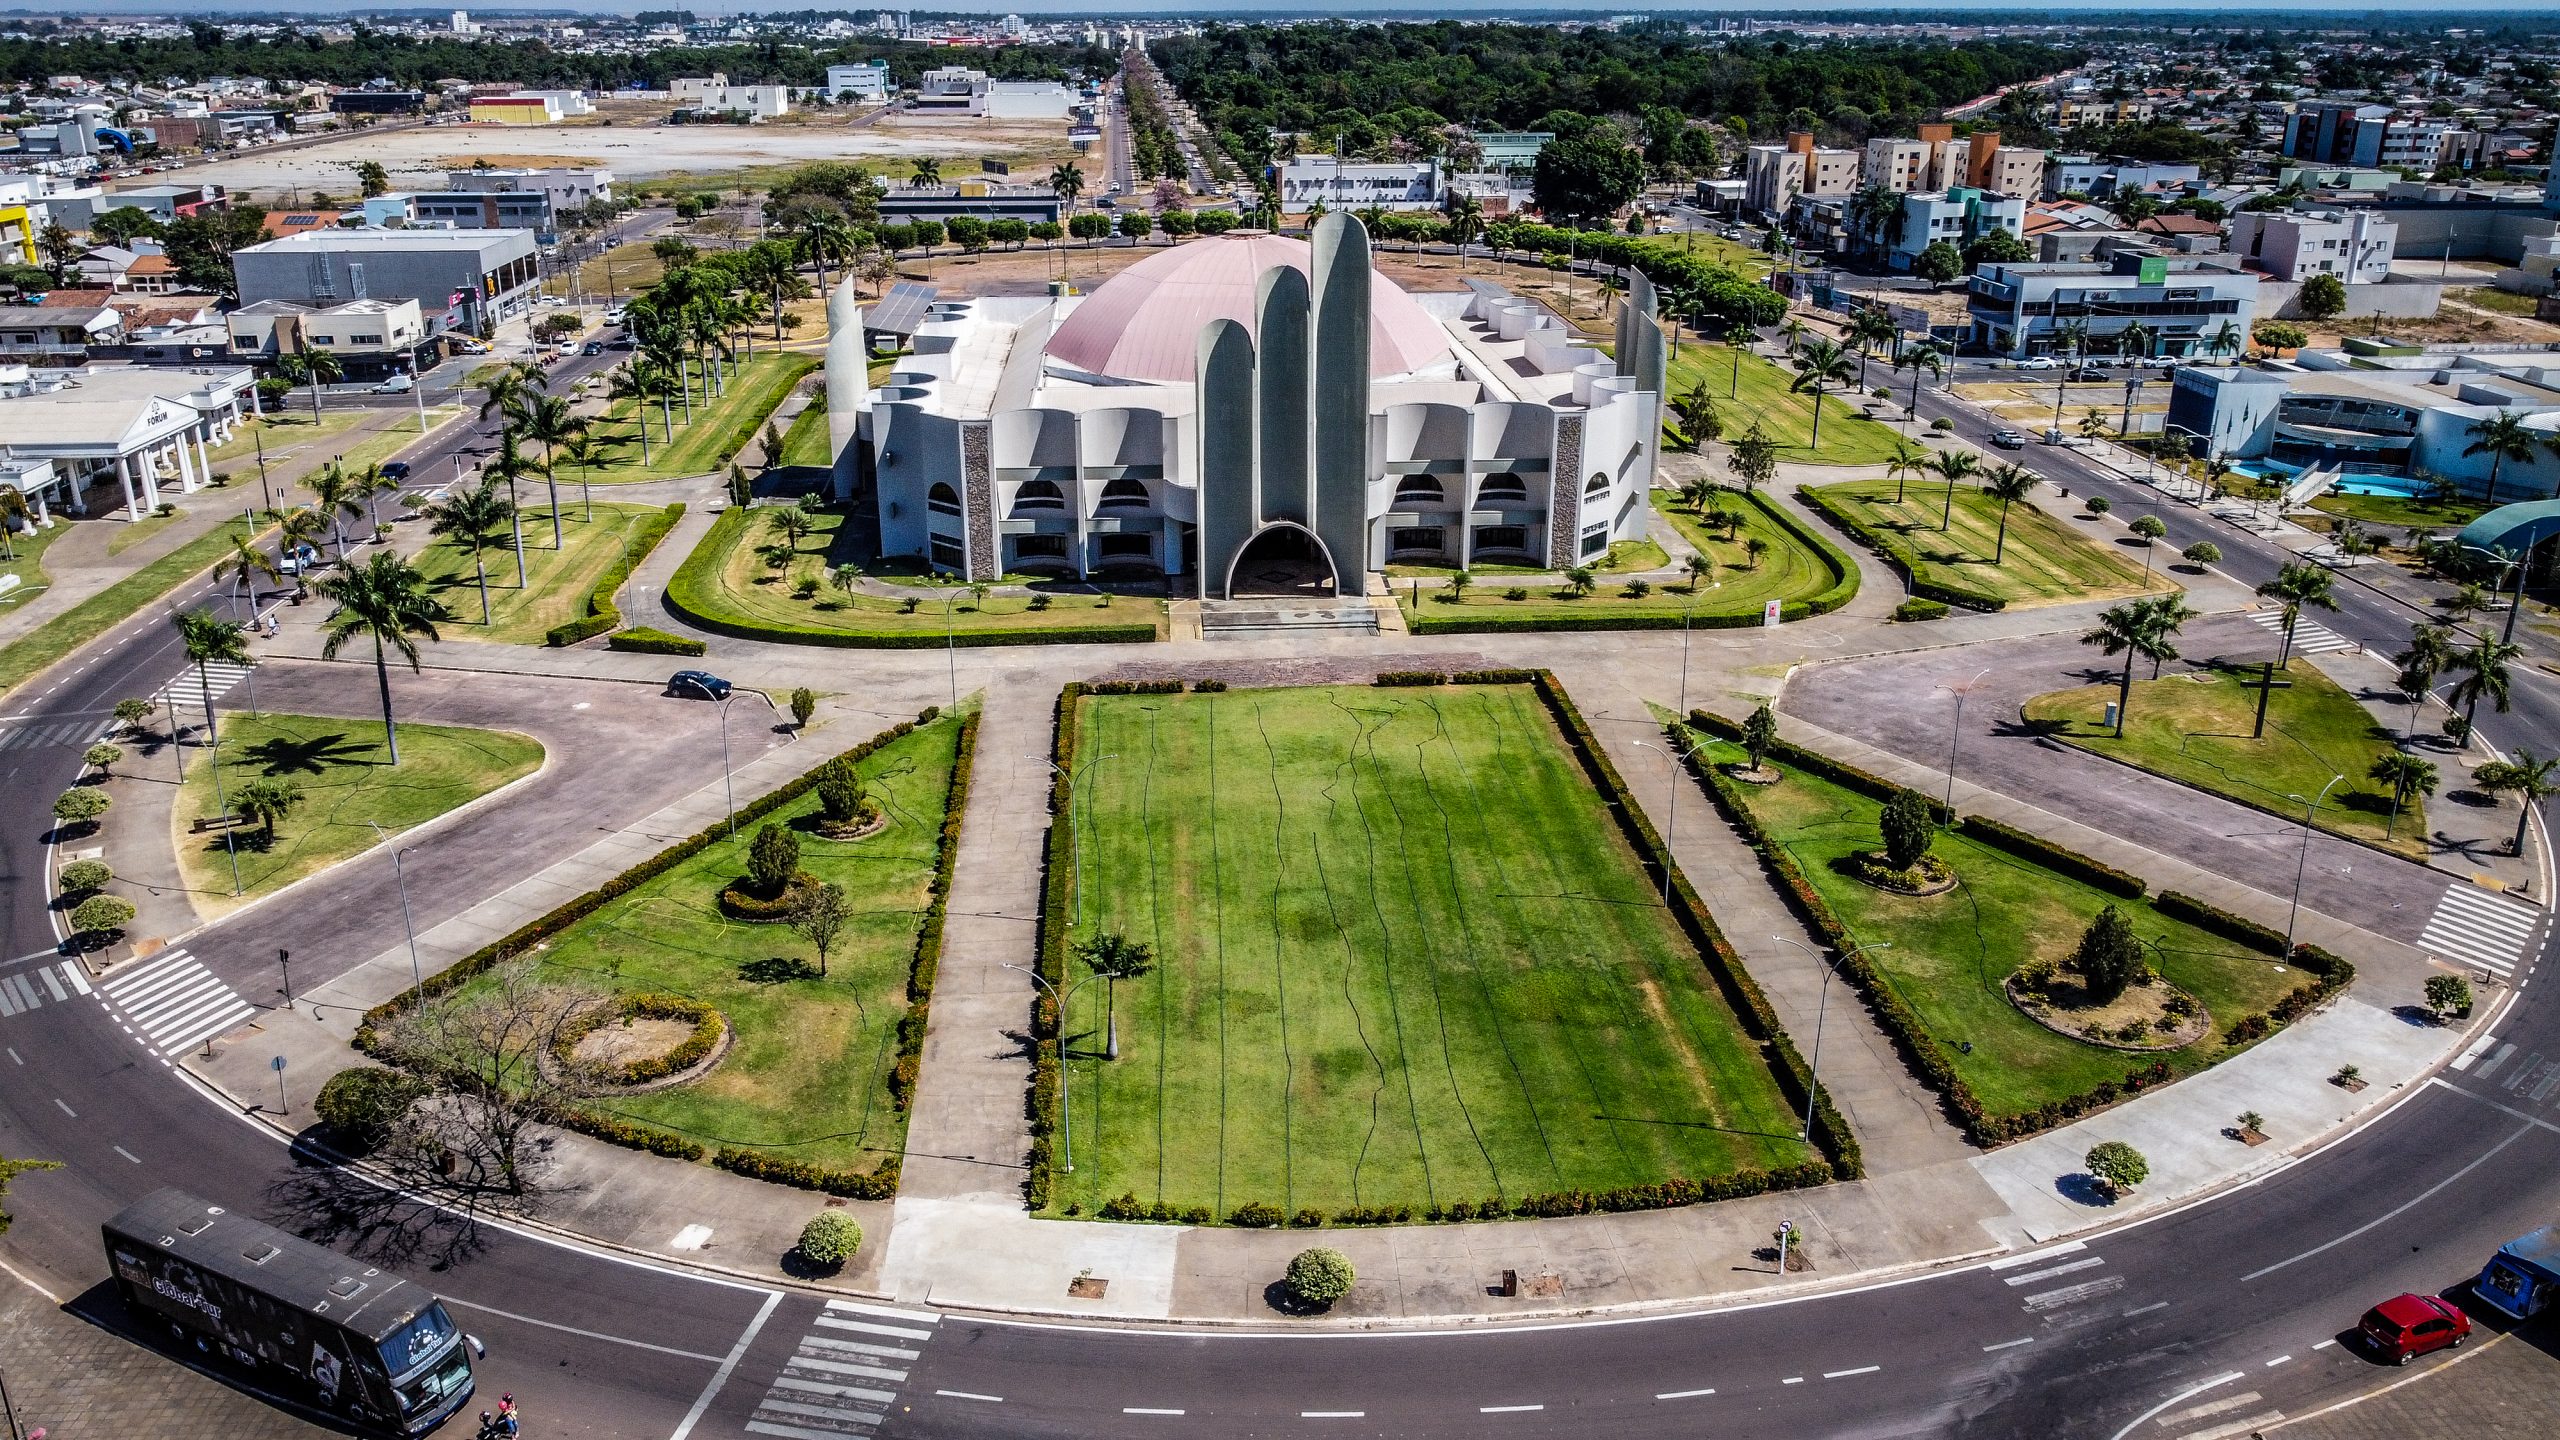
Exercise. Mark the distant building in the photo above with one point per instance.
(521, 109)
(983, 200)
(460, 279)
(868, 80)
(1511, 149)
(1307, 180)
(2356, 245)
(377, 102)
(2183, 303)
(959, 90)
(2340, 133)
(371, 338)
(714, 95)
(121, 428)
(1959, 217)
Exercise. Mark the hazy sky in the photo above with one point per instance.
(1285, 7)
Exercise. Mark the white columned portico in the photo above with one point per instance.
(124, 475)
(204, 462)
(150, 478)
(188, 479)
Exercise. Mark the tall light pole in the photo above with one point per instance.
(2302, 864)
(1955, 734)
(1671, 822)
(951, 646)
(1066, 1100)
(417, 972)
(1813, 1071)
(728, 785)
(1075, 842)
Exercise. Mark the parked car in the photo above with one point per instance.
(2039, 362)
(396, 385)
(614, 316)
(698, 684)
(2088, 373)
(395, 470)
(2405, 1327)
(465, 345)
(2008, 439)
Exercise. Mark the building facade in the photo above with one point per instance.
(2356, 245)
(462, 280)
(1308, 180)
(2018, 310)
(868, 80)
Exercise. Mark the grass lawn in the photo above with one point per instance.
(2047, 561)
(26, 560)
(133, 532)
(720, 428)
(1848, 438)
(1951, 952)
(805, 443)
(2489, 297)
(557, 580)
(286, 429)
(2195, 728)
(346, 780)
(1403, 958)
(730, 576)
(110, 607)
(2400, 512)
(381, 445)
(808, 1075)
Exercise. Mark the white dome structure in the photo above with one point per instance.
(1144, 323)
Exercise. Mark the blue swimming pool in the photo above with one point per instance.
(2404, 486)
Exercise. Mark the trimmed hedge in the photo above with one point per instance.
(2215, 920)
(643, 640)
(706, 1021)
(602, 615)
(1814, 762)
(2094, 873)
(1041, 1099)
(369, 1038)
(1899, 557)
(880, 1184)
(926, 963)
(1843, 588)
(1917, 608)
(693, 596)
(2330, 973)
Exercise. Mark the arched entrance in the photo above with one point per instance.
(1283, 560)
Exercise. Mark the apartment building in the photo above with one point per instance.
(868, 80)
(1342, 185)
(2356, 245)
(1958, 216)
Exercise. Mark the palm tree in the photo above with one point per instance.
(470, 516)
(1067, 183)
(2407, 775)
(1872, 328)
(370, 487)
(245, 561)
(637, 382)
(549, 420)
(2502, 437)
(2295, 586)
(667, 353)
(304, 526)
(2225, 341)
(2008, 485)
(2139, 629)
(581, 452)
(14, 512)
(509, 389)
(1922, 357)
(385, 600)
(317, 368)
(508, 466)
(1908, 460)
(825, 236)
(2484, 675)
(928, 173)
(2530, 776)
(1466, 226)
(2429, 655)
(1115, 958)
(795, 525)
(1818, 364)
(209, 638)
(2071, 337)
(2134, 339)
(1953, 465)
(1793, 332)
(333, 493)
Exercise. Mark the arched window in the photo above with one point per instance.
(1599, 485)
(1503, 485)
(1419, 490)
(942, 499)
(1039, 495)
(1124, 492)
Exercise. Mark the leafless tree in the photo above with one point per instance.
(498, 1053)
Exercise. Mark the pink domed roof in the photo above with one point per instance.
(1144, 323)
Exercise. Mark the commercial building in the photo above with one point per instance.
(371, 338)
(1187, 419)
(377, 102)
(2378, 410)
(2356, 245)
(2183, 303)
(461, 279)
(64, 434)
(2101, 179)
(985, 200)
(565, 188)
(1307, 180)
(166, 203)
(714, 95)
(1959, 217)
(959, 90)
(868, 80)
(58, 329)
(1511, 149)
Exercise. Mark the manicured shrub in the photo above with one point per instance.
(101, 915)
(2203, 552)
(2108, 958)
(773, 857)
(829, 1239)
(2118, 1165)
(102, 757)
(1908, 826)
(1320, 1276)
(1256, 1215)
(642, 640)
(360, 1105)
(81, 804)
(804, 703)
(2448, 995)
(84, 877)
(1920, 608)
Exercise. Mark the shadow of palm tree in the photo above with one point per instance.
(309, 754)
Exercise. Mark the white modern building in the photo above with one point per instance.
(64, 433)
(1307, 180)
(2380, 410)
(959, 90)
(1188, 419)
(866, 81)
(2354, 244)
(2183, 303)
(1959, 217)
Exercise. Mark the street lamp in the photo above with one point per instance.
(1066, 1100)
(728, 785)
(1075, 842)
(2303, 863)
(1671, 823)
(1813, 1071)
(2504, 562)
(417, 973)
(951, 646)
(1955, 733)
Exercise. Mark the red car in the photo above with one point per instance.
(2407, 1326)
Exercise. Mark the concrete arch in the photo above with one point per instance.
(1323, 553)
(2514, 529)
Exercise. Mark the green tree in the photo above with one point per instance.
(2448, 995)
(1908, 824)
(547, 418)
(2117, 1165)
(2279, 337)
(364, 1104)
(1320, 1276)
(470, 517)
(125, 224)
(2407, 775)
(1587, 176)
(1759, 733)
(2530, 777)
(842, 796)
(264, 801)
(2485, 676)
(1114, 957)
(1753, 458)
(773, 861)
(2323, 297)
(2136, 629)
(2108, 958)
(1921, 357)
(1581, 580)
(1907, 460)
(103, 758)
(84, 877)
(1939, 263)
(209, 639)
(386, 601)
(2502, 437)
(1998, 247)
(80, 805)
(1953, 465)
(2008, 484)
(804, 703)
(820, 917)
(2203, 552)
(2296, 586)
(372, 178)
(101, 916)
(829, 1239)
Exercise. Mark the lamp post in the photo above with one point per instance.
(1066, 1101)
(951, 646)
(1671, 822)
(1955, 733)
(1075, 842)
(417, 972)
(728, 786)
(1813, 1071)
(2504, 562)
(2302, 864)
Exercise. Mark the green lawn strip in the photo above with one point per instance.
(2046, 560)
(26, 559)
(382, 444)
(101, 612)
(130, 533)
(2401, 513)
(805, 443)
(2195, 728)
(1632, 557)
(346, 779)
(285, 429)
(1795, 570)
(720, 428)
(1848, 437)
(1951, 952)
(808, 1077)
(558, 581)
(728, 585)
(1404, 958)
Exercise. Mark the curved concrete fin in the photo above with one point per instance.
(1223, 430)
(1284, 489)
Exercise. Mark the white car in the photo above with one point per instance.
(613, 316)
(396, 385)
(2040, 362)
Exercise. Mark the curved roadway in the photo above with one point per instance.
(2225, 1311)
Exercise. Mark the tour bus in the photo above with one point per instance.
(357, 1342)
(2525, 1273)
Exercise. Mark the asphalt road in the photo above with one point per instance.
(2238, 1298)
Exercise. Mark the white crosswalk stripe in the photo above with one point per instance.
(55, 982)
(59, 732)
(2214, 1419)
(2470, 926)
(174, 1003)
(2309, 636)
(834, 1386)
(186, 694)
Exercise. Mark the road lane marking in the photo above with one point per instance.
(2278, 1361)
(886, 1312)
(865, 1327)
(2011, 1344)
(2211, 1408)
(2074, 1294)
(67, 1110)
(2049, 1252)
(574, 1330)
(1331, 1414)
(1792, 1380)
(1845, 1374)
(2420, 1198)
(2187, 1394)
(2251, 1426)
(728, 1367)
(2033, 1276)
(2147, 1309)
(1146, 1410)
(1682, 1394)
(969, 1395)
(1507, 1409)
(2325, 1344)
(129, 1155)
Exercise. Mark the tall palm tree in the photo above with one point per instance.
(580, 450)
(509, 389)
(548, 419)
(507, 467)
(2298, 585)
(928, 173)
(470, 517)
(666, 352)
(2139, 629)
(2225, 341)
(370, 487)
(1820, 363)
(333, 493)
(1871, 330)
(1067, 183)
(2008, 484)
(1466, 226)
(2485, 675)
(304, 525)
(2134, 339)
(1922, 357)
(2407, 775)
(2502, 437)
(384, 600)
(1908, 460)
(825, 237)
(209, 638)
(2429, 655)
(2530, 776)
(244, 562)
(638, 382)
(1953, 465)
(2072, 338)
(319, 368)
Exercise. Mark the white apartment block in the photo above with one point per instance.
(2354, 245)
(1308, 179)
(866, 81)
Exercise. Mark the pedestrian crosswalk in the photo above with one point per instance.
(172, 1002)
(2309, 637)
(2473, 927)
(2220, 1419)
(55, 982)
(185, 695)
(47, 735)
(844, 1376)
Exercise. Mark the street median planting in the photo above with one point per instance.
(705, 438)
(602, 613)
(1944, 550)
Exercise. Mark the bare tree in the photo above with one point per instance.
(499, 1055)
(820, 917)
